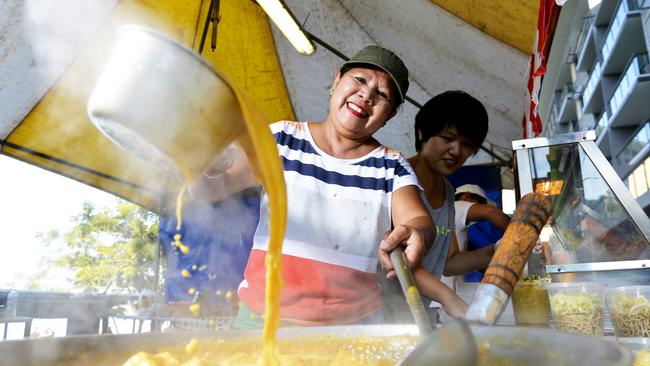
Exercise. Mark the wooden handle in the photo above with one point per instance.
(406, 280)
(518, 241)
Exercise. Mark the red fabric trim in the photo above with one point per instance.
(313, 293)
(547, 17)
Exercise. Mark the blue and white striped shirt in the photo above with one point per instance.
(338, 212)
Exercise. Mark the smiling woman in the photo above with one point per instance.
(344, 192)
(362, 101)
(365, 94)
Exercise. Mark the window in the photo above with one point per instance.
(639, 179)
(636, 145)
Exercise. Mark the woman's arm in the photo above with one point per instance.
(461, 263)
(221, 181)
(434, 289)
(493, 214)
(413, 228)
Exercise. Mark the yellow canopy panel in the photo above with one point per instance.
(513, 22)
(57, 134)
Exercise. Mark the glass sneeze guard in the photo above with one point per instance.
(598, 232)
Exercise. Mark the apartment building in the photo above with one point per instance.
(598, 78)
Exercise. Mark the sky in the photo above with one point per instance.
(34, 200)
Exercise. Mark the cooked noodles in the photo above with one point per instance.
(578, 313)
(630, 315)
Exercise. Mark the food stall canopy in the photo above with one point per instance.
(51, 53)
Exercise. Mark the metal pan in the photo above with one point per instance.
(162, 102)
(518, 345)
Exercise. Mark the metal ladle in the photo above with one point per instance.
(450, 345)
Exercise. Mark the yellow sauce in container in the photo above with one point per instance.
(642, 358)
(530, 303)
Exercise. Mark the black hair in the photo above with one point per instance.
(397, 101)
(454, 108)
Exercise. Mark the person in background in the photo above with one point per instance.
(449, 128)
(219, 237)
(345, 190)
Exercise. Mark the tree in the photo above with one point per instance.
(111, 249)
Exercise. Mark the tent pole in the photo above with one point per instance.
(69, 164)
(159, 251)
(212, 17)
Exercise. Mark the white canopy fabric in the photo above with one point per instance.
(441, 51)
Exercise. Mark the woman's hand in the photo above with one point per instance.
(224, 161)
(230, 173)
(411, 239)
(413, 229)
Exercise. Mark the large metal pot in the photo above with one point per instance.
(162, 102)
(518, 345)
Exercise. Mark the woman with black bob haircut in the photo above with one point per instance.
(449, 129)
(452, 108)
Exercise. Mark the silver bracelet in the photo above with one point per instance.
(213, 176)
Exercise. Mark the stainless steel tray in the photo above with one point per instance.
(521, 345)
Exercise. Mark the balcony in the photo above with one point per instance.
(564, 105)
(602, 140)
(605, 12)
(629, 103)
(586, 48)
(590, 102)
(602, 124)
(637, 147)
(624, 37)
(641, 4)
(638, 181)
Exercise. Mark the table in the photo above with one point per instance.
(179, 323)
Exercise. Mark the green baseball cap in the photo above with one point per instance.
(385, 60)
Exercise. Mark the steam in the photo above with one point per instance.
(59, 43)
(39, 40)
(57, 30)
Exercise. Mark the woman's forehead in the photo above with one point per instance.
(452, 130)
(369, 69)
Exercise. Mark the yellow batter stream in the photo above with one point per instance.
(265, 162)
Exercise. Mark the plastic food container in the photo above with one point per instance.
(629, 307)
(578, 307)
(530, 302)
